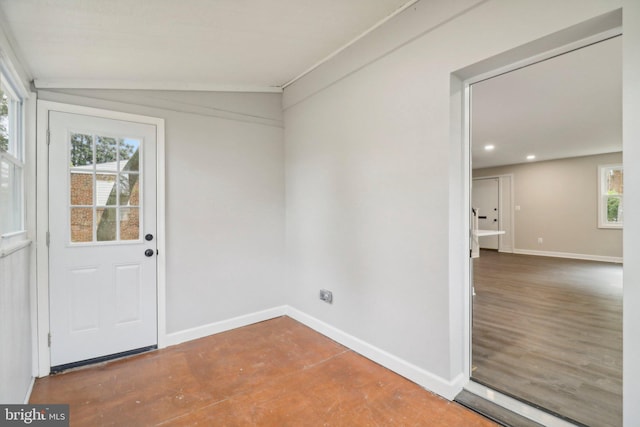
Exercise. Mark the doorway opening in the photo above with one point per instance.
(546, 316)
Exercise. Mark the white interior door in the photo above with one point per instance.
(102, 223)
(486, 199)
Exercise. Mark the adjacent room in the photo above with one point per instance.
(260, 213)
(548, 181)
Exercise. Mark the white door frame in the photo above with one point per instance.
(42, 220)
(466, 164)
(487, 69)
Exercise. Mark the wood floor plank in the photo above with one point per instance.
(273, 373)
(549, 331)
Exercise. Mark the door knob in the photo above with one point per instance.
(148, 237)
(148, 252)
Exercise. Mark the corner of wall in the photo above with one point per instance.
(434, 383)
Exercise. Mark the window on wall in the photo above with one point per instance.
(11, 160)
(610, 196)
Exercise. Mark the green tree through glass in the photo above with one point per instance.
(4, 121)
(106, 150)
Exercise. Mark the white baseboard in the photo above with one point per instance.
(224, 325)
(587, 257)
(27, 396)
(426, 379)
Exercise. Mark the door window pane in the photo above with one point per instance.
(129, 223)
(81, 225)
(81, 188)
(106, 153)
(106, 190)
(129, 189)
(130, 155)
(106, 228)
(81, 150)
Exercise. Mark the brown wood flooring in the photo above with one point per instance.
(549, 330)
(274, 373)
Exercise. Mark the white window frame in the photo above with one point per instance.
(603, 170)
(15, 156)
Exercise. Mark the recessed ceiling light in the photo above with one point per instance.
(531, 157)
(489, 147)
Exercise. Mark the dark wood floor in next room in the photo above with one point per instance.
(549, 330)
(274, 373)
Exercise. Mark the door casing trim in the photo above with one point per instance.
(43, 361)
(462, 80)
(581, 35)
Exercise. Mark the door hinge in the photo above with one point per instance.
(49, 339)
(48, 238)
(470, 253)
(48, 137)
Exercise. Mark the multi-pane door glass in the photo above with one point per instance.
(104, 188)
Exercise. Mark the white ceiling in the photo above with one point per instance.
(563, 107)
(183, 44)
(567, 106)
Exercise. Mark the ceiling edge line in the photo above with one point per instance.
(137, 85)
(346, 46)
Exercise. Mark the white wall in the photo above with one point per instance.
(375, 174)
(224, 197)
(15, 325)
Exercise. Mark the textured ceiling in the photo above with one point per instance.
(186, 43)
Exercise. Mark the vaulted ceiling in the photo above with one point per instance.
(563, 107)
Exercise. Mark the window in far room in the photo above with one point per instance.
(11, 161)
(610, 196)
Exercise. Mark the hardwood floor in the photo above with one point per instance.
(549, 331)
(274, 373)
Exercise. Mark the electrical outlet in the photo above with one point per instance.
(539, 240)
(326, 296)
